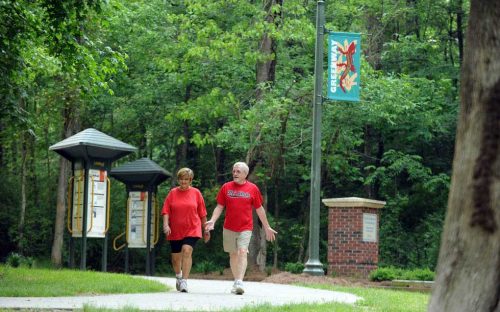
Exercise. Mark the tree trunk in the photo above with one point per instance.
(257, 249)
(181, 156)
(260, 260)
(468, 272)
(460, 34)
(71, 126)
(367, 159)
(22, 213)
(264, 73)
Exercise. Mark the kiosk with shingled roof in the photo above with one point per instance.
(91, 154)
(141, 178)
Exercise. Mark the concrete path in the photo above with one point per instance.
(204, 295)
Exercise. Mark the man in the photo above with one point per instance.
(239, 197)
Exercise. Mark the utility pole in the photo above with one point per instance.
(313, 266)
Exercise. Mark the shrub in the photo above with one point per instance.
(383, 274)
(206, 267)
(418, 275)
(294, 267)
(16, 260)
(391, 273)
(269, 270)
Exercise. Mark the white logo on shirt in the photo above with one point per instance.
(237, 194)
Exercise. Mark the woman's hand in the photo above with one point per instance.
(206, 236)
(166, 229)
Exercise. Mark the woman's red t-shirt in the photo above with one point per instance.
(239, 199)
(185, 208)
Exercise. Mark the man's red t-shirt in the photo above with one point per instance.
(239, 199)
(185, 210)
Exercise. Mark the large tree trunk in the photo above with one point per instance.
(468, 273)
(257, 249)
(71, 126)
(264, 73)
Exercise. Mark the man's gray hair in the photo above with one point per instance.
(243, 166)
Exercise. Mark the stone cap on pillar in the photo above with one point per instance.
(349, 202)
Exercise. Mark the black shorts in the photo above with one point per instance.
(176, 245)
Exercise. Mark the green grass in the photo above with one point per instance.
(26, 282)
(374, 300)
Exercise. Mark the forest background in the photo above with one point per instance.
(206, 83)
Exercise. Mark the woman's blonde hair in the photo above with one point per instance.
(185, 172)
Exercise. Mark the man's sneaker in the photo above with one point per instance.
(178, 283)
(183, 286)
(238, 288)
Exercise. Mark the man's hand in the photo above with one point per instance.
(209, 226)
(270, 234)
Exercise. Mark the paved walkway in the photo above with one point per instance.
(204, 295)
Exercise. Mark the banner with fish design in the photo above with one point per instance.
(344, 66)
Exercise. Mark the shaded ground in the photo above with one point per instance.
(278, 277)
(288, 278)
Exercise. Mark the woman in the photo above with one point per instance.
(184, 214)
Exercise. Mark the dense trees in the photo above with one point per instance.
(206, 83)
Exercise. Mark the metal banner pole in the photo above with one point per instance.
(313, 266)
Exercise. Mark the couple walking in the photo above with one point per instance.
(185, 220)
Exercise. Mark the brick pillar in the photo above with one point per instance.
(353, 227)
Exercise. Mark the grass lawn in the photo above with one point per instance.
(26, 282)
(374, 300)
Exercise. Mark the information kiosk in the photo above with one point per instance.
(91, 153)
(141, 178)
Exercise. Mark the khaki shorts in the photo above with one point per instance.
(235, 240)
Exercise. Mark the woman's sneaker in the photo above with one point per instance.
(183, 286)
(238, 288)
(178, 283)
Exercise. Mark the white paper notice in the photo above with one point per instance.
(96, 203)
(137, 220)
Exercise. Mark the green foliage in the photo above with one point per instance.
(178, 81)
(384, 274)
(392, 273)
(16, 260)
(294, 267)
(411, 222)
(206, 267)
(418, 275)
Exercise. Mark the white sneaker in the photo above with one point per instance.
(178, 283)
(183, 286)
(237, 288)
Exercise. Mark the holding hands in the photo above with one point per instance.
(209, 226)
